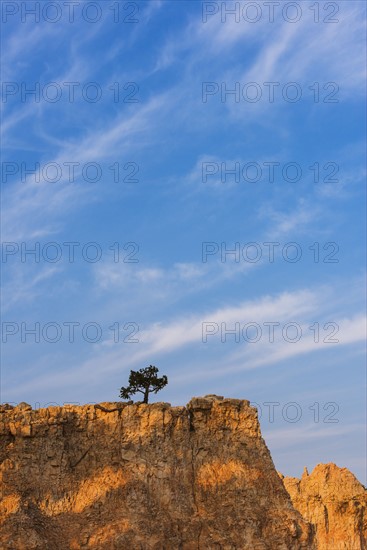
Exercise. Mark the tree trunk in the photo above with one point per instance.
(146, 395)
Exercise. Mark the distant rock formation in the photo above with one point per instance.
(334, 501)
(151, 477)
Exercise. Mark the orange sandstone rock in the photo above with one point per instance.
(334, 501)
(143, 477)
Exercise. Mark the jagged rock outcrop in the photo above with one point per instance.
(143, 477)
(334, 501)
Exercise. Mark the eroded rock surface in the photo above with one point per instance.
(143, 477)
(335, 502)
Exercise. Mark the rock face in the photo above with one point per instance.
(334, 501)
(143, 477)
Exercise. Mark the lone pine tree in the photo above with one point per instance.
(144, 381)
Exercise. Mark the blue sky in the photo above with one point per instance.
(155, 171)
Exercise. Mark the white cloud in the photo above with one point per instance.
(30, 207)
(294, 222)
(308, 52)
(162, 338)
(25, 286)
(347, 331)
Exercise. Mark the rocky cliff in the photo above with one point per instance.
(139, 477)
(334, 501)
(156, 477)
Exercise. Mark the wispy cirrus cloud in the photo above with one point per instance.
(24, 289)
(30, 207)
(162, 339)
